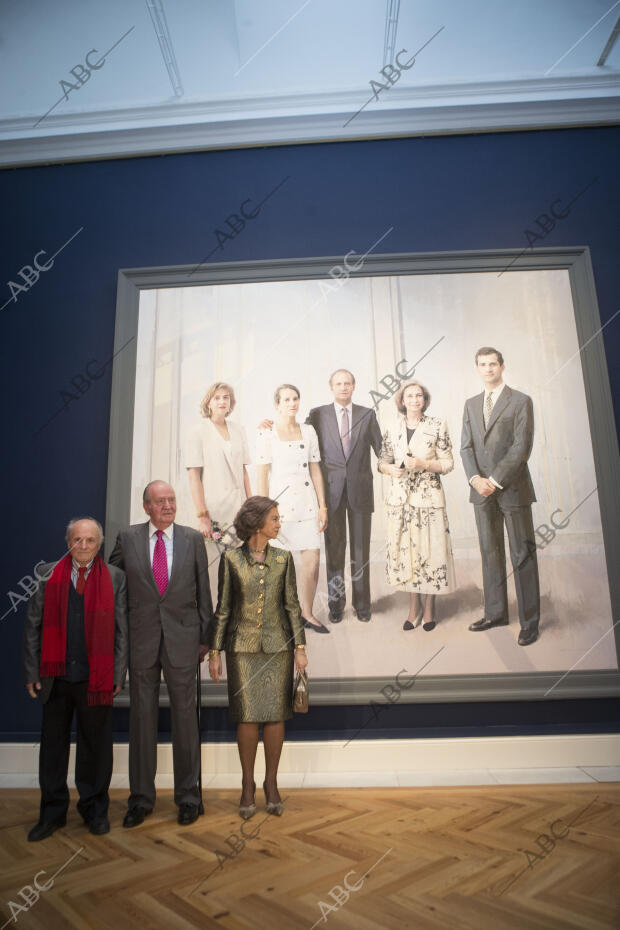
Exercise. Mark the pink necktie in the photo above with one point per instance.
(345, 433)
(160, 563)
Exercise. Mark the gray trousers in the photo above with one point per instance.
(143, 717)
(490, 520)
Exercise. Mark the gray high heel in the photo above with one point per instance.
(247, 810)
(274, 807)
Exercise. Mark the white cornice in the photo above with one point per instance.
(287, 119)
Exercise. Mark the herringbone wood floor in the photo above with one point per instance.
(462, 858)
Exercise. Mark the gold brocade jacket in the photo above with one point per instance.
(257, 605)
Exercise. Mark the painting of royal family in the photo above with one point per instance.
(409, 511)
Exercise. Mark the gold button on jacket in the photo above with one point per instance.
(257, 608)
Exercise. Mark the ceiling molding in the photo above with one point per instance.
(288, 119)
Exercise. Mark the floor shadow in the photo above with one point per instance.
(383, 604)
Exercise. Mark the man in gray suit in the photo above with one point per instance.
(75, 660)
(498, 431)
(169, 610)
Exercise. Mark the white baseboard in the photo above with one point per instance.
(469, 760)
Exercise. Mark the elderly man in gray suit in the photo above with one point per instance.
(169, 611)
(498, 431)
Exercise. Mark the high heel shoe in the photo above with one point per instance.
(408, 625)
(273, 807)
(247, 810)
(430, 624)
(312, 626)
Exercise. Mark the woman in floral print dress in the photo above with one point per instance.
(415, 452)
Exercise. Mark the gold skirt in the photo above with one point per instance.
(260, 686)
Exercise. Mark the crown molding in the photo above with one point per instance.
(530, 103)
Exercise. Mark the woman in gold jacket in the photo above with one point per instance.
(258, 622)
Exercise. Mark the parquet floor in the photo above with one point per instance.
(504, 857)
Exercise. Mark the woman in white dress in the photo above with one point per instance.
(288, 470)
(216, 455)
(415, 452)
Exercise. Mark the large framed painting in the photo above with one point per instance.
(532, 549)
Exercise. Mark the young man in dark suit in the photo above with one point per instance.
(496, 442)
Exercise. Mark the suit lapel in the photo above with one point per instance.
(400, 446)
(357, 417)
(179, 551)
(141, 542)
(476, 409)
(500, 405)
(417, 446)
(226, 449)
(331, 421)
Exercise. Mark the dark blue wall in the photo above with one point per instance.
(440, 193)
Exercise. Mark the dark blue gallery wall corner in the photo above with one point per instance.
(435, 193)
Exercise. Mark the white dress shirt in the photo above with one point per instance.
(167, 538)
(75, 567)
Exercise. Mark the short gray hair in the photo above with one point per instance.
(75, 520)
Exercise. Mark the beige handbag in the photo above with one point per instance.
(300, 693)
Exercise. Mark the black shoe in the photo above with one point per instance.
(363, 615)
(42, 830)
(408, 625)
(485, 624)
(99, 825)
(188, 813)
(430, 624)
(135, 816)
(527, 637)
(312, 626)
(334, 618)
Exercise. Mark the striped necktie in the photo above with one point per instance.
(488, 408)
(345, 432)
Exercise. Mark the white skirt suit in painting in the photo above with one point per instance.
(419, 551)
(291, 486)
(222, 464)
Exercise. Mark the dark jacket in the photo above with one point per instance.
(33, 631)
(502, 450)
(184, 611)
(353, 473)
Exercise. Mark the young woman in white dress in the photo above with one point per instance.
(288, 470)
(216, 455)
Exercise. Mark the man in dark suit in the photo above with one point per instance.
(75, 659)
(169, 609)
(346, 433)
(498, 431)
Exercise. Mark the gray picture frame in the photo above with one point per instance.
(572, 683)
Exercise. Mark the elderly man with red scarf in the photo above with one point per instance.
(75, 659)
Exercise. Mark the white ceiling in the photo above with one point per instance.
(243, 72)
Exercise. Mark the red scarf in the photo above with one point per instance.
(98, 627)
